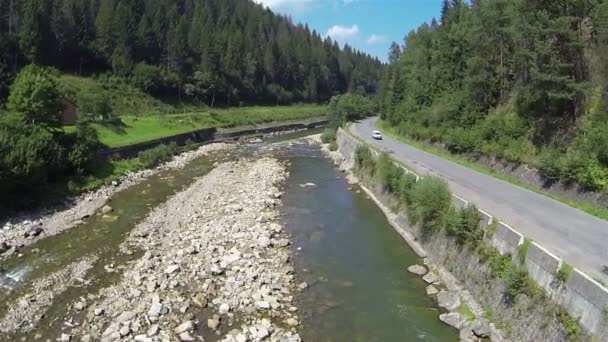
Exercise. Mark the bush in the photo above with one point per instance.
(329, 135)
(464, 226)
(364, 161)
(159, 154)
(387, 173)
(147, 78)
(94, 106)
(553, 165)
(82, 151)
(564, 273)
(429, 204)
(406, 183)
(333, 146)
(34, 95)
(349, 107)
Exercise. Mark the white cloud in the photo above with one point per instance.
(286, 5)
(376, 39)
(338, 32)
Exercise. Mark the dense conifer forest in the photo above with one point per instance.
(522, 80)
(211, 51)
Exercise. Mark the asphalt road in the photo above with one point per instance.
(577, 237)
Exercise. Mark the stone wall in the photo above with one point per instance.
(583, 298)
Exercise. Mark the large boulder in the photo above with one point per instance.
(452, 319)
(481, 328)
(448, 300)
(417, 269)
(431, 278)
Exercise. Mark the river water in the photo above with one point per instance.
(354, 262)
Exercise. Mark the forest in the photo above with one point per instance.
(115, 58)
(525, 81)
(209, 51)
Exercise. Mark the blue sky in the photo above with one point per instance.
(368, 25)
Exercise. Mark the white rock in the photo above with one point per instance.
(153, 330)
(65, 338)
(171, 269)
(184, 327)
(417, 269)
(264, 305)
(224, 309)
(185, 337)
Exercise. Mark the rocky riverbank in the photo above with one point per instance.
(215, 266)
(28, 228)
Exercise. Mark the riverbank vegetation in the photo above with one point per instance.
(427, 203)
(523, 81)
(343, 109)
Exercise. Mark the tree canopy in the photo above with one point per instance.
(230, 51)
(523, 80)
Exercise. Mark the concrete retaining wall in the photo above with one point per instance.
(583, 298)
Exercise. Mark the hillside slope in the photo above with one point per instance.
(524, 81)
(208, 51)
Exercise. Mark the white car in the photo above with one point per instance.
(377, 135)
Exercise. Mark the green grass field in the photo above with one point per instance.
(131, 129)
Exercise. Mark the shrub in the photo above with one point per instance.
(154, 156)
(333, 146)
(364, 160)
(522, 252)
(349, 107)
(406, 183)
(82, 151)
(95, 106)
(564, 273)
(464, 226)
(328, 135)
(553, 165)
(35, 96)
(387, 173)
(570, 325)
(147, 77)
(429, 204)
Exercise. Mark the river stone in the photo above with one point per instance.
(262, 333)
(292, 322)
(153, 330)
(481, 328)
(106, 209)
(431, 278)
(264, 242)
(98, 312)
(303, 286)
(213, 323)
(417, 269)
(142, 338)
(448, 300)
(185, 337)
(125, 316)
(65, 338)
(431, 290)
(262, 305)
(452, 319)
(171, 269)
(224, 309)
(156, 309)
(184, 327)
